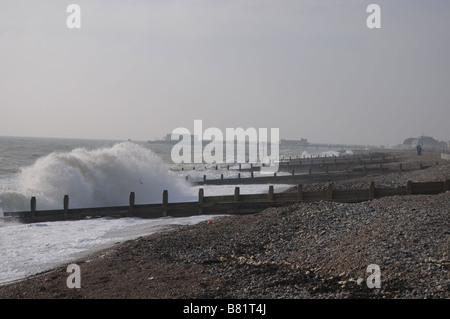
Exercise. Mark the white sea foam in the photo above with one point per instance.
(101, 177)
(31, 248)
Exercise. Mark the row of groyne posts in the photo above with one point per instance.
(310, 170)
(229, 204)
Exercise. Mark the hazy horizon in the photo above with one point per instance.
(138, 70)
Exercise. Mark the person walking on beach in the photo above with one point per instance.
(419, 149)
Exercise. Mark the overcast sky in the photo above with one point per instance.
(139, 69)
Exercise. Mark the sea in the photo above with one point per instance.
(93, 173)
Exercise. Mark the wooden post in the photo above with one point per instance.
(409, 188)
(251, 174)
(132, 197)
(33, 205)
(330, 191)
(204, 178)
(372, 190)
(270, 193)
(66, 204)
(200, 201)
(293, 172)
(236, 194)
(221, 176)
(309, 170)
(239, 175)
(299, 192)
(447, 185)
(326, 169)
(165, 201)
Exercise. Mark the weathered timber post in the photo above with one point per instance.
(236, 194)
(309, 170)
(326, 169)
(409, 188)
(293, 172)
(165, 202)
(299, 192)
(204, 178)
(372, 190)
(33, 205)
(240, 166)
(330, 191)
(131, 200)
(447, 185)
(221, 176)
(270, 193)
(66, 204)
(200, 201)
(239, 175)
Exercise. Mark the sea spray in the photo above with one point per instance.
(94, 178)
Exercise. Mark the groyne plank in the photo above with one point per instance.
(232, 204)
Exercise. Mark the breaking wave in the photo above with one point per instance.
(93, 178)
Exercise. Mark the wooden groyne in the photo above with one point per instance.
(324, 174)
(236, 203)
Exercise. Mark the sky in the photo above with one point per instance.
(311, 68)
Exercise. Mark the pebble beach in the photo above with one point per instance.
(316, 250)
